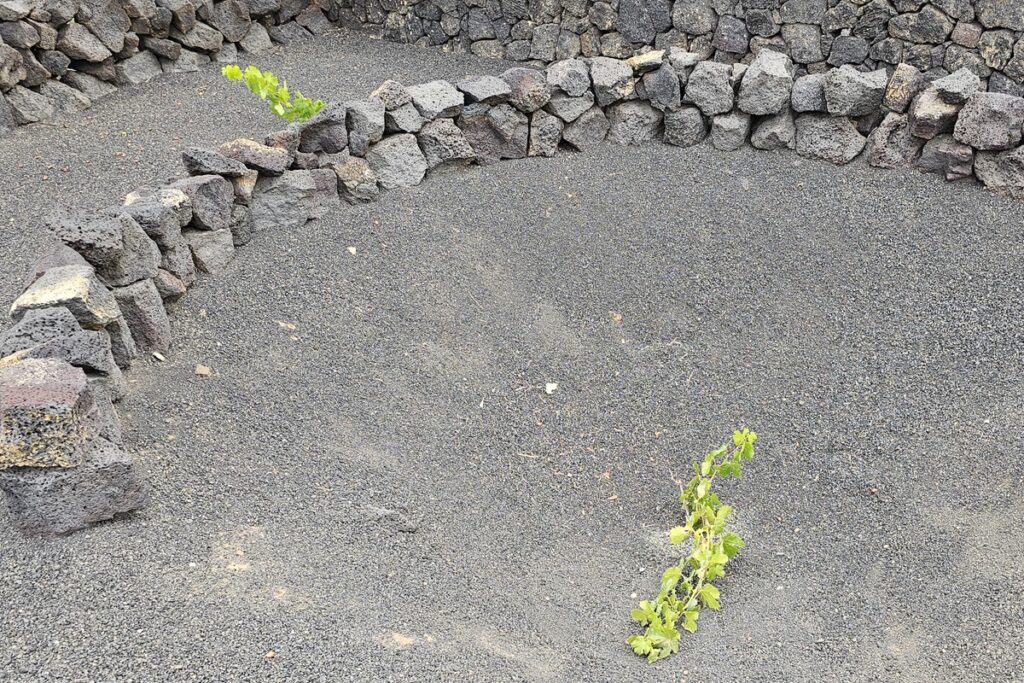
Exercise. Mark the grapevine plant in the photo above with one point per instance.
(689, 586)
(276, 94)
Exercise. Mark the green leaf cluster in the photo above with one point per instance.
(688, 587)
(281, 101)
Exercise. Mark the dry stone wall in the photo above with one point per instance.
(58, 56)
(935, 36)
(104, 297)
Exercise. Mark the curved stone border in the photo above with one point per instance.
(60, 55)
(100, 300)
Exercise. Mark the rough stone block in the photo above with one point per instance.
(212, 250)
(45, 413)
(77, 289)
(1002, 172)
(283, 202)
(832, 138)
(991, 121)
(442, 142)
(143, 311)
(589, 130)
(633, 123)
(685, 127)
(54, 501)
(849, 92)
(211, 197)
(775, 132)
(710, 88)
(263, 158)
(612, 80)
(494, 133)
(729, 131)
(436, 99)
(947, 157)
(397, 160)
(766, 85)
(891, 145)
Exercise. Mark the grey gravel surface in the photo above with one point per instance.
(374, 485)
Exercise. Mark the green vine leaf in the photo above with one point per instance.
(687, 586)
(277, 95)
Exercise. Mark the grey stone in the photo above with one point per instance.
(99, 240)
(202, 37)
(929, 25)
(357, 183)
(170, 286)
(1002, 172)
(683, 62)
(143, 311)
(288, 33)
(570, 76)
(75, 288)
(832, 138)
(28, 106)
(891, 145)
(64, 97)
(710, 88)
(633, 123)
(641, 20)
(499, 132)
(263, 158)
(904, 85)
(365, 123)
(848, 50)
(397, 160)
(78, 43)
(957, 87)
(662, 88)
(12, 67)
(392, 95)
(589, 130)
(256, 39)
(731, 35)
(244, 185)
(443, 142)
(485, 89)
(162, 47)
(775, 132)
(211, 197)
(138, 69)
(991, 121)
(947, 157)
(996, 48)
(161, 213)
(12, 10)
(849, 92)
(55, 333)
(178, 261)
(53, 502)
(729, 131)
(19, 34)
(529, 89)
(404, 119)
(436, 99)
(325, 192)
(766, 85)
(326, 132)
(804, 42)
(543, 42)
(212, 250)
(231, 18)
(809, 93)
(685, 127)
(46, 410)
(930, 115)
(696, 17)
(612, 79)
(569, 108)
(199, 161)
(803, 11)
(283, 202)
(1001, 14)
(90, 86)
(545, 134)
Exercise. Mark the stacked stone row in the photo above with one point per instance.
(985, 36)
(102, 298)
(58, 56)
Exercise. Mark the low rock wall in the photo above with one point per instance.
(102, 299)
(58, 56)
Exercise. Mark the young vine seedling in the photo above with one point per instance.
(276, 94)
(689, 586)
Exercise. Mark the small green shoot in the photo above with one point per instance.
(688, 586)
(295, 108)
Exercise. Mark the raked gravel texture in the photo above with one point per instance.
(864, 322)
